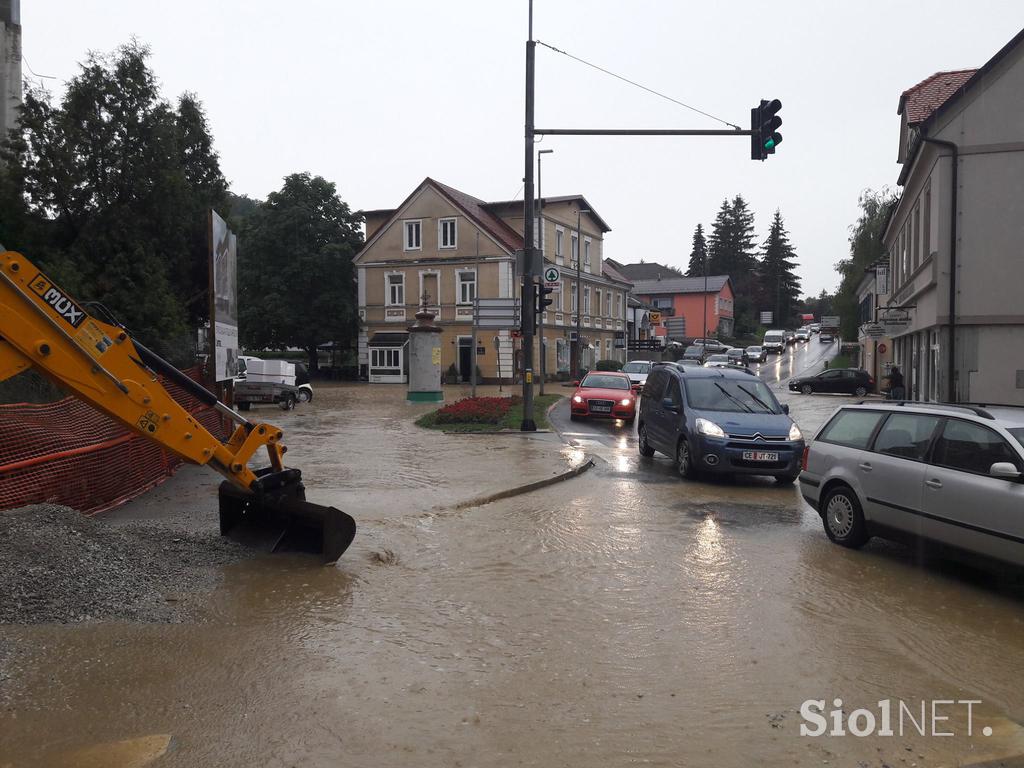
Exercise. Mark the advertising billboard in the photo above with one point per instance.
(224, 307)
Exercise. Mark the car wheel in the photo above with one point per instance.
(843, 518)
(684, 462)
(806, 389)
(860, 391)
(645, 447)
(288, 403)
(786, 479)
(305, 395)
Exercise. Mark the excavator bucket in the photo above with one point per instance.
(276, 517)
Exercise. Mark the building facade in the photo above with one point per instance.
(955, 237)
(10, 63)
(700, 304)
(447, 248)
(876, 352)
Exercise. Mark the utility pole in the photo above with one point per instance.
(704, 342)
(579, 292)
(529, 288)
(476, 295)
(540, 239)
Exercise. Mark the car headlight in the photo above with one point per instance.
(577, 399)
(709, 428)
(625, 401)
(795, 433)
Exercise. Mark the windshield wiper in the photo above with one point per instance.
(757, 399)
(732, 397)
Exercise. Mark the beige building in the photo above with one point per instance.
(955, 238)
(451, 247)
(876, 351)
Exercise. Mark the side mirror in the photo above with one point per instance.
(1005, 470)
(785, 408)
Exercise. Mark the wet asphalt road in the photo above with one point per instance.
(624, 618)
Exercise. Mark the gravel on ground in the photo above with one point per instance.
(58, 566)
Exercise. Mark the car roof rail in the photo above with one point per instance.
(995, 405)
(978, 411)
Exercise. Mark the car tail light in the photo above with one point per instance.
(803, 459)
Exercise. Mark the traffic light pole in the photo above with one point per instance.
(529, 288)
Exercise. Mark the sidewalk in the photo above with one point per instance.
(359, 450)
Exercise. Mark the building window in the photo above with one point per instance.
(396, 290)
(574, 300)
(465, 287)
(385, 358)
(586, 251)
(574, 255)
(608, 348)
(597, 298)
(447, 233)
(662, 303)
(926, 231)
(412, 236)
(586, 300)
(618, 305)
(560, 296)
(559, 238)
(882, 280)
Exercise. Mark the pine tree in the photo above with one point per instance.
(698, 253)
(731, 251)
(779, 284)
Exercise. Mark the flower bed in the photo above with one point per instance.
(476, 410)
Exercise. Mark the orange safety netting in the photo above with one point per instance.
(68, 453)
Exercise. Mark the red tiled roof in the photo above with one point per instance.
(474, 208)
(919, 102)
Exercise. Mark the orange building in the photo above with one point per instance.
(685, 298)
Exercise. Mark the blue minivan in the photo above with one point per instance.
(718, 420)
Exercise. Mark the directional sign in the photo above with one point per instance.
(873, 331)
(830, 321)
(496, 313)
(552, 277)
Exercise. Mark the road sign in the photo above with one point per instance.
(552, 277)
(655, 318)
(830, 321)
(496, 313)
(767, 318)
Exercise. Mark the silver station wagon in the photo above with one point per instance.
(952, 474)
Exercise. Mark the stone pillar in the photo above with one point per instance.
(424, 359)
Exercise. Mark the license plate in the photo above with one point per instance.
(760, 456)
(601, 408)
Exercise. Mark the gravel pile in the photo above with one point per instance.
(58, 566)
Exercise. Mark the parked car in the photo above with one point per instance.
(852, 381)
(815, 327)
(605, 394)
(803, 334)
(953, 474)
(711, 346)
(774, 341)
(637, 371)
(716, 361)
(737, 356)
(755, 354)
(718, 420)
(695, 353)
(826, 337)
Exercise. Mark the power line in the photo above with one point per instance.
(638, 85)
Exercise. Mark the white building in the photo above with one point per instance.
(956, 238)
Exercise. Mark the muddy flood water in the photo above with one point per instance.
(622, 618)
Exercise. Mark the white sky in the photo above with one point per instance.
(377, 95)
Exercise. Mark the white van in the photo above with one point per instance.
(774, 341)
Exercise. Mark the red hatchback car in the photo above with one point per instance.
(606, 394)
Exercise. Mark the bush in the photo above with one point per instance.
(608, 365)
(476, 410)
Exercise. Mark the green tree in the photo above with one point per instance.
(865, 249)
(731, 251)
(698, 253)
(116, 183)
(296, 279)
(779, 284)
(819, 305)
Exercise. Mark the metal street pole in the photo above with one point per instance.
(476, 296)
(579, 292)
(704, 343)
(540, 315)
(529, 289)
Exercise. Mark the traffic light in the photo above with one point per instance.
(764, 125)
(543, 302)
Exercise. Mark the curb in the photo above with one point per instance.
(534, 486)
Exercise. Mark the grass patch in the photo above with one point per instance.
(840, 361)
(511, 420)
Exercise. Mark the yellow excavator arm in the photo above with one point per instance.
(44, 328)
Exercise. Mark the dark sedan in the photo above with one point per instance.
(852, 381)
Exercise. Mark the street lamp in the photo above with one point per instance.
(579, 293)
(540, 239)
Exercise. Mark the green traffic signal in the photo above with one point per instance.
(770, 144)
